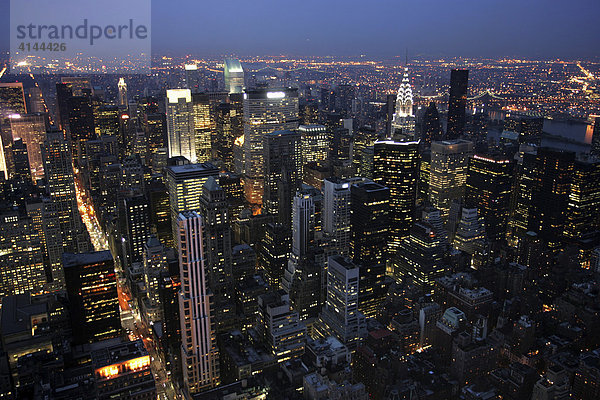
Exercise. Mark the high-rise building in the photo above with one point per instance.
(488, 188)
(180, 124)
(419, 260)
(431, 128)
(60, 184)
(21, 255)
(155, 266)
(341, 316)
(137, 226)
(273, 253)
(184, 184)
(282, 173)
(91, 285)
(370, 222)
(265, 111)
(122, 100)
(217, 242)
(583, 208)
(12, 99)
(470, 234)
(315, 144)
(35, 100)
(457, 104)
(204, 124)
(529, 127)
(234, 76)
(448, 172)
(31, 128)
(396, 166)
(192, 77)
(229, 126)
(595, 145)
(21, 161)
(403, 122)
(199, 353)
(550, 195)
(280, 327)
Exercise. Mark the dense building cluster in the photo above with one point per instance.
(295, 233)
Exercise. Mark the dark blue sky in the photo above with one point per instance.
(377, 28)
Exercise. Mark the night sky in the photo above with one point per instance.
(377, 28)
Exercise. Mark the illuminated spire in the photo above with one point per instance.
(404, 99)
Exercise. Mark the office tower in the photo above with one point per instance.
(283, 173)
(273, 252)
(457, 104)
(31, 128)
(156, 133)
(364, 139)
(403, 121)
(529, 127)
(431, 128)
(106, 121)
(155, 267)
(336, 213)
(137, 226)
(180, 124)
(309, 112)
(345, 95)
(192, 77)
(217, 244)
(341, 317)
(203, 125)
(396, 166)
(12, 99)
(184, 184)
(518, 224)
(21, 162)
(160, 212)
(199, 353)
(35, 101)
(470, 234)
(91, 286)
(265, 111)
(21, 255)
(419, 260)
(424, 175)
(550, 195)
(595, 145)
(488, 188)
(122, 370)
(370, 222)
(280, 327)
(448, 172)
(229, 126)
(315, 146)
(433, 217)
(234, 76)
(76, 118)
(302, 279)
(390, 109)
(60, 185)
(583, 208)
(77, 84)
(122, 100)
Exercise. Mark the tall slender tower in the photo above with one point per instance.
(199, 353)
(180, 124)
(459, 81)
(403, 121)
(265, 111)
(123, 102)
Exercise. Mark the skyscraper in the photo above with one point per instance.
(403, 121)
(340, 316)
(12, 99)
(315, 144)
(457, 104)
(234, 76)
(336, 214)
(91, 285)
(31, 128)
(595, 146)
(137, 223)
(184, 183)
(583, 209)
(448, 173)
(265, 111)
(180, 124)
(488, 188)
(282, 173)
(396, 166)
(203, 125)
(122, 101)
(199, 353)
(217, 242)
(60, 185)
(431, 128)
(419, 260)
